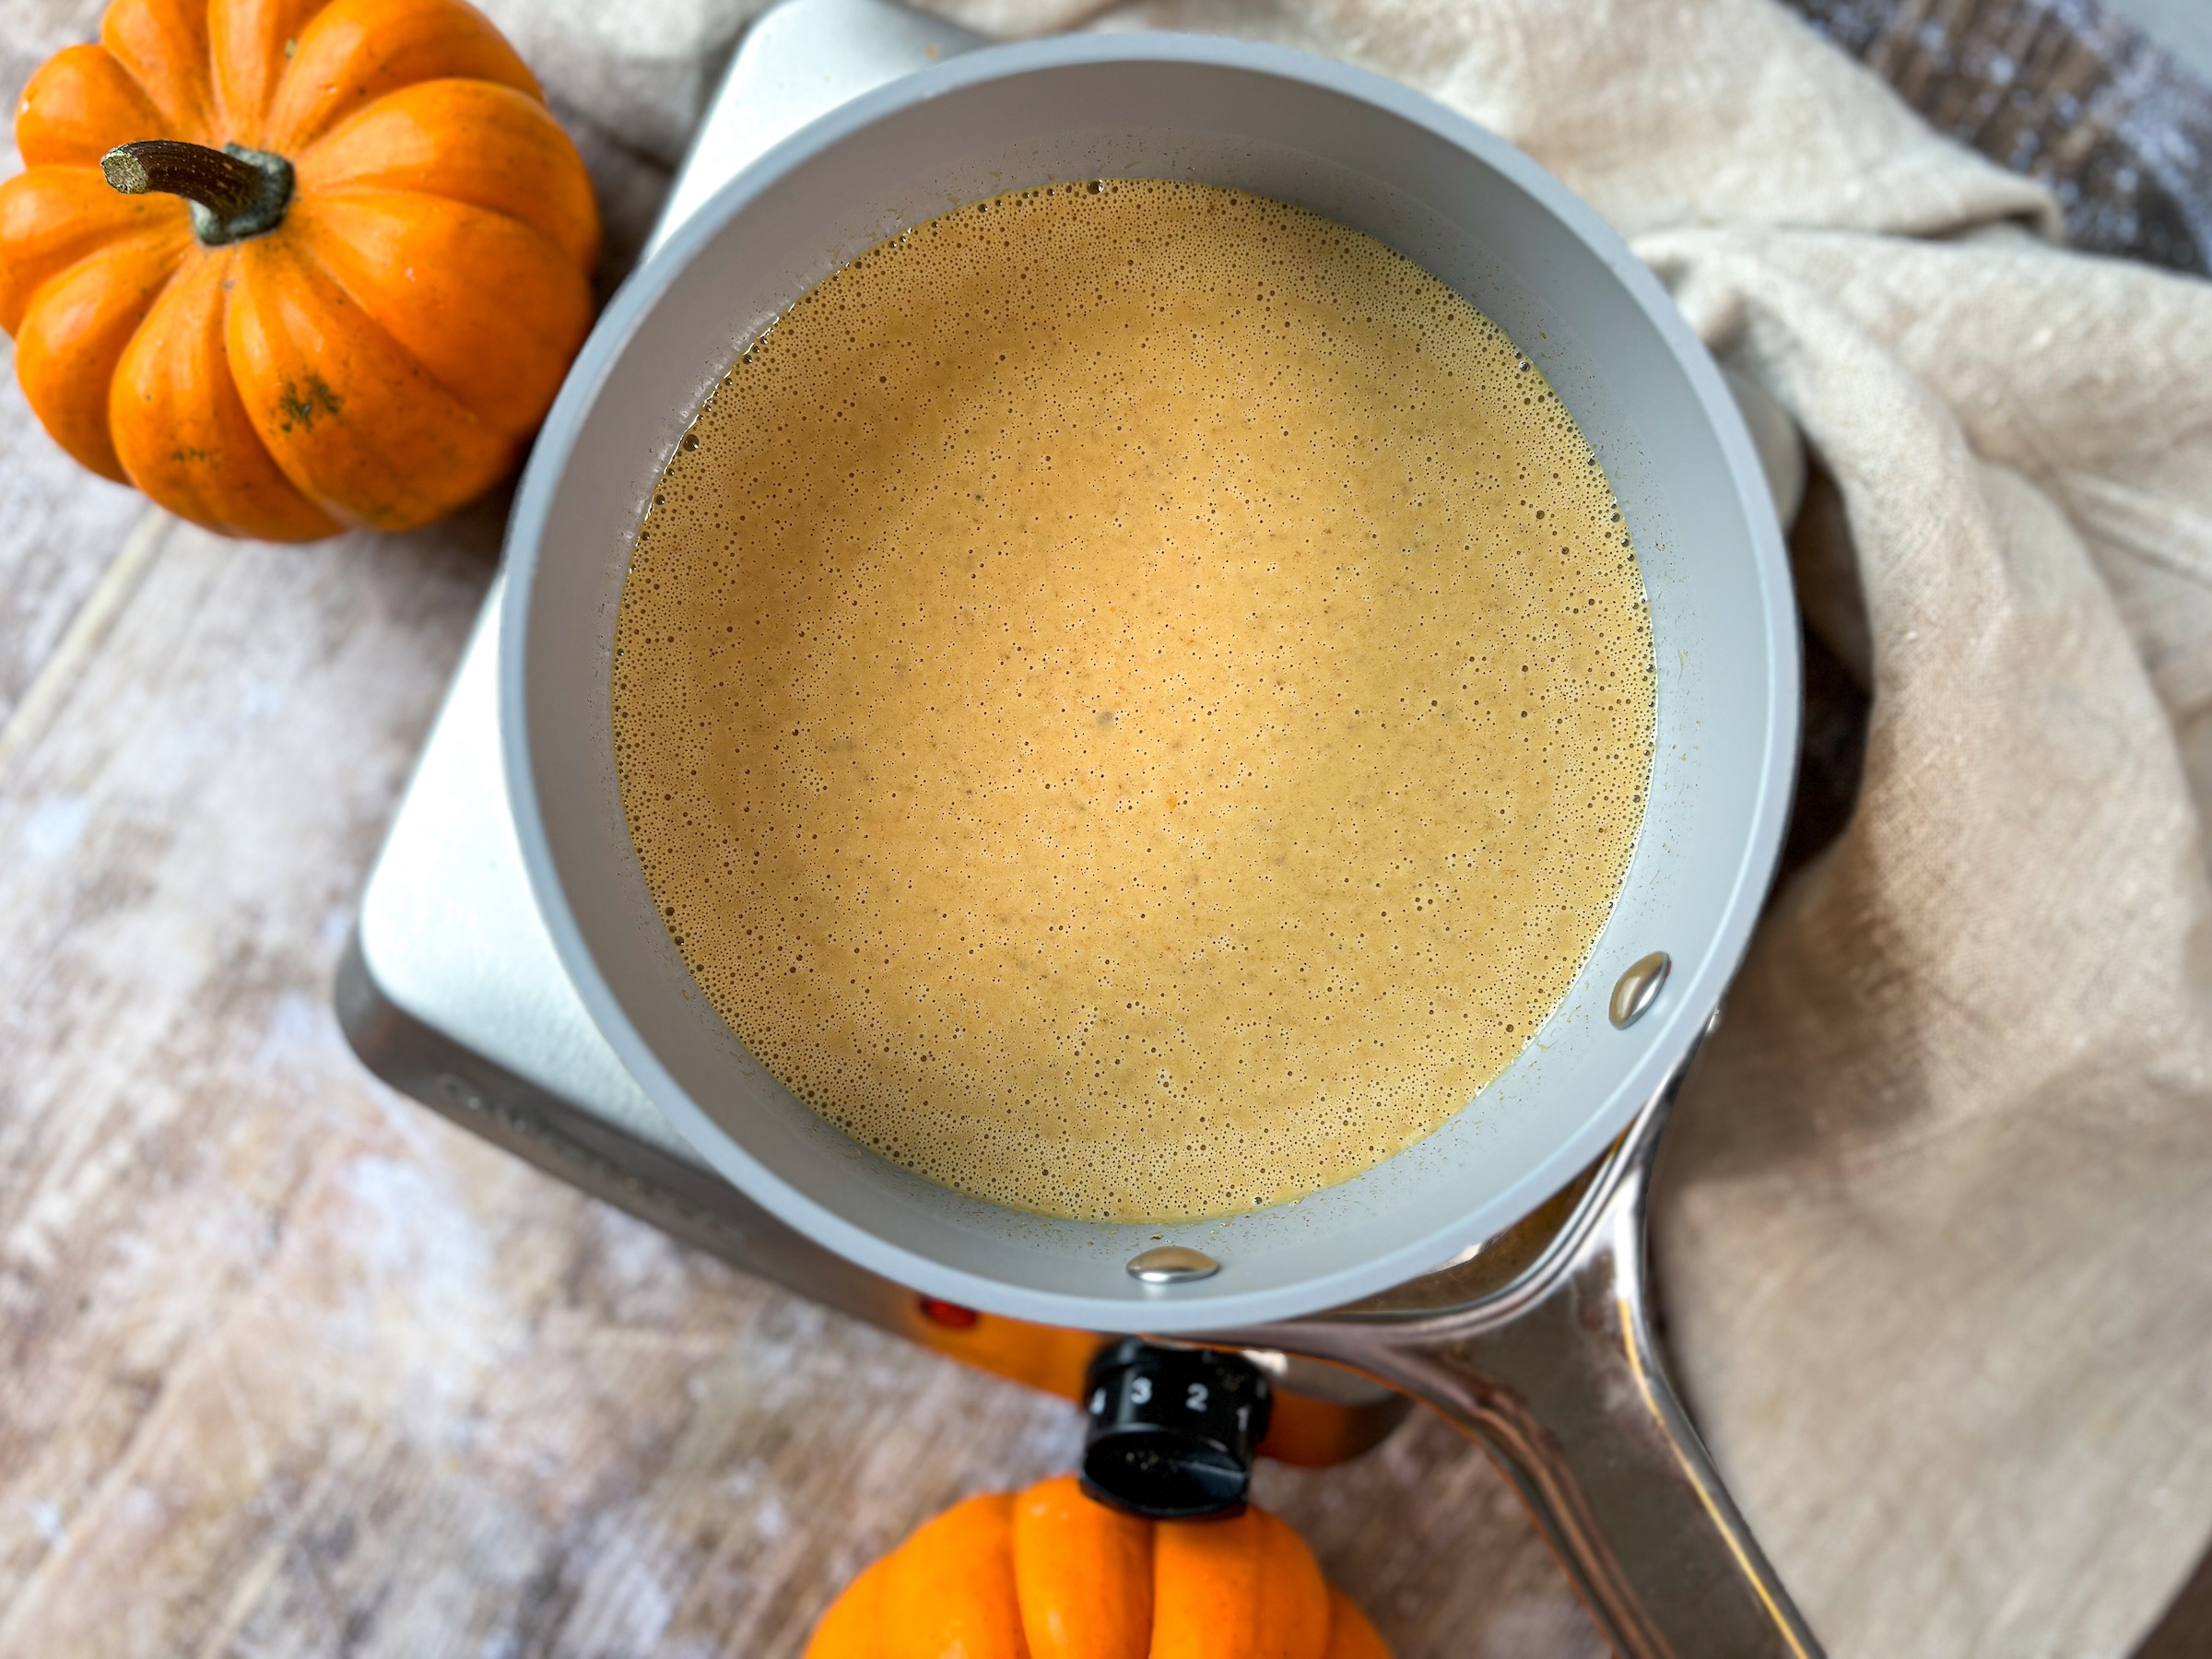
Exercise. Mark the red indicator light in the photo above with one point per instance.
(951, 1315)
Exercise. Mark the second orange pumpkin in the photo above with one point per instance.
(1048, 1574)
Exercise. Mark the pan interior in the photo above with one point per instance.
(1471, 212)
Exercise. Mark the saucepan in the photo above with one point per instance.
(1386, 1272)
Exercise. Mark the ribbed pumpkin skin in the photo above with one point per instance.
(1047, 1574)
(376, 360)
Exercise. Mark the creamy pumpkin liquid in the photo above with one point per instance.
(1135, 700)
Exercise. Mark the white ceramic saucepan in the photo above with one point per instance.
(1650, 1535)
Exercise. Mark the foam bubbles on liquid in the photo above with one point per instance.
(1134, 700)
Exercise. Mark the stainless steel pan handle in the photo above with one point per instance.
(1541, 1348)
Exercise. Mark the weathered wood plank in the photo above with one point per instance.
(292, 1366)
(289, 1365)
(59, 527)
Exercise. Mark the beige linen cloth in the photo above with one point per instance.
(1935, 1234)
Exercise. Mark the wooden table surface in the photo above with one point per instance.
(291, 1366)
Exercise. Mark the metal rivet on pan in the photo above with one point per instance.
(1638, 989)
(461, 1092)
(1172, 1264)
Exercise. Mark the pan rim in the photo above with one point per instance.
(1679, 1022)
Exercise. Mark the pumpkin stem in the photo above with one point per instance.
(235, 193)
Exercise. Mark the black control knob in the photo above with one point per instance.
(1171, 1431)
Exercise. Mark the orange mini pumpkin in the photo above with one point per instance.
(367, 305)
(1048, 1574)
